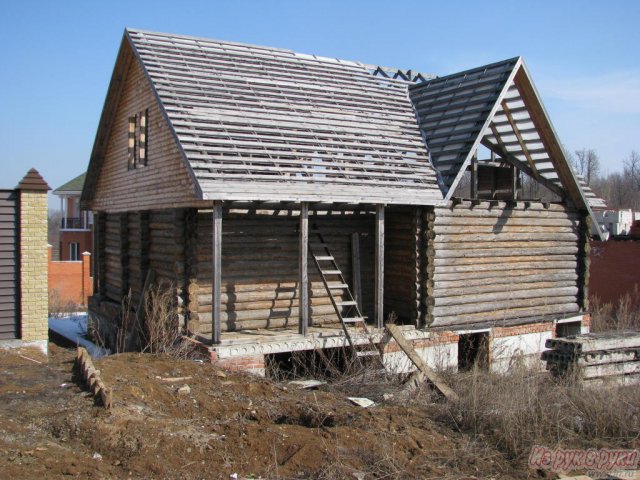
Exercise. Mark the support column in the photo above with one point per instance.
(379, 267)
(514, 183)
(474, 176)
(216, 272)
(355, 269)
(303, 283)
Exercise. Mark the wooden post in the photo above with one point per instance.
(379, 268)
(355, 269)
(303, 283)
(474, 176)
(514, 183)
(216, 268)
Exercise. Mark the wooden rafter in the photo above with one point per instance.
(521, 141)
(513, 160)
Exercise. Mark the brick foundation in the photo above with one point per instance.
(435, 339)
(250, 363)
(497, 332)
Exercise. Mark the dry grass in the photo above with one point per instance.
(525, 407)
(624, 316)
(157, 331)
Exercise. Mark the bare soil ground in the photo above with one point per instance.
(227, 423)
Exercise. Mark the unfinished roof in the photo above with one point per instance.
(258, 123)
(496, 106)
(270, 124)
(594, 200)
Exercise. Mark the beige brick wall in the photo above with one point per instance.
(34, 301)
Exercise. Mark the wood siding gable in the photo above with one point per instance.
(166, 179)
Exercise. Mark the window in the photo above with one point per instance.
(74, 251)
(138, 124)
(473, 349)
(567, 329)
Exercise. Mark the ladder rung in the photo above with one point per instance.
(337, 286)
(346, 303)
(321, 258)
(367, 353)
(352, 319)
(331, 272)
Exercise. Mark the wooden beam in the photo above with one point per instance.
(514, 182)
(355, 269)
(379, 267)
(216, 272)
(474, 175)
(303, 283)
(521, 141)
(423, 371)
(513, 160)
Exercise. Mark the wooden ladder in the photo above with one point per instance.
(346, 307)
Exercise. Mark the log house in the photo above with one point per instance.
(218, 165)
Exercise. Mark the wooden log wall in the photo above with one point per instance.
(403, 267)
(137, 241)
(496, 261)
(114, 242)
(99, 262)
(136, 278)
(260, 269)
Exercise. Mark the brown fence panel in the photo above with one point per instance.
(9, 275)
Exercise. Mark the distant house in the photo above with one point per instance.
(76, 225)
(286, 197)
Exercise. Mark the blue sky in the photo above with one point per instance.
(57, 59)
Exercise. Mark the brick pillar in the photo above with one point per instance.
(34, 267)
(87, 283)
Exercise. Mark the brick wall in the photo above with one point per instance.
(498, 332)
(435, 339)
(247, 363)
(70, 282)
(33, 265)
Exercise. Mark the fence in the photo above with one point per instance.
(23, 261)
(70, 282)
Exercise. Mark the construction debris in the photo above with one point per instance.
(597, 357)
(305, 384)
(361, 402)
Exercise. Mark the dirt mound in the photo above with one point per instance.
(221, 424)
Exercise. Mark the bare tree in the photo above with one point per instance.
(632, 168)
(54, 220)
(587, 164)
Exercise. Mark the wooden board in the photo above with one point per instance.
(423, 368)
